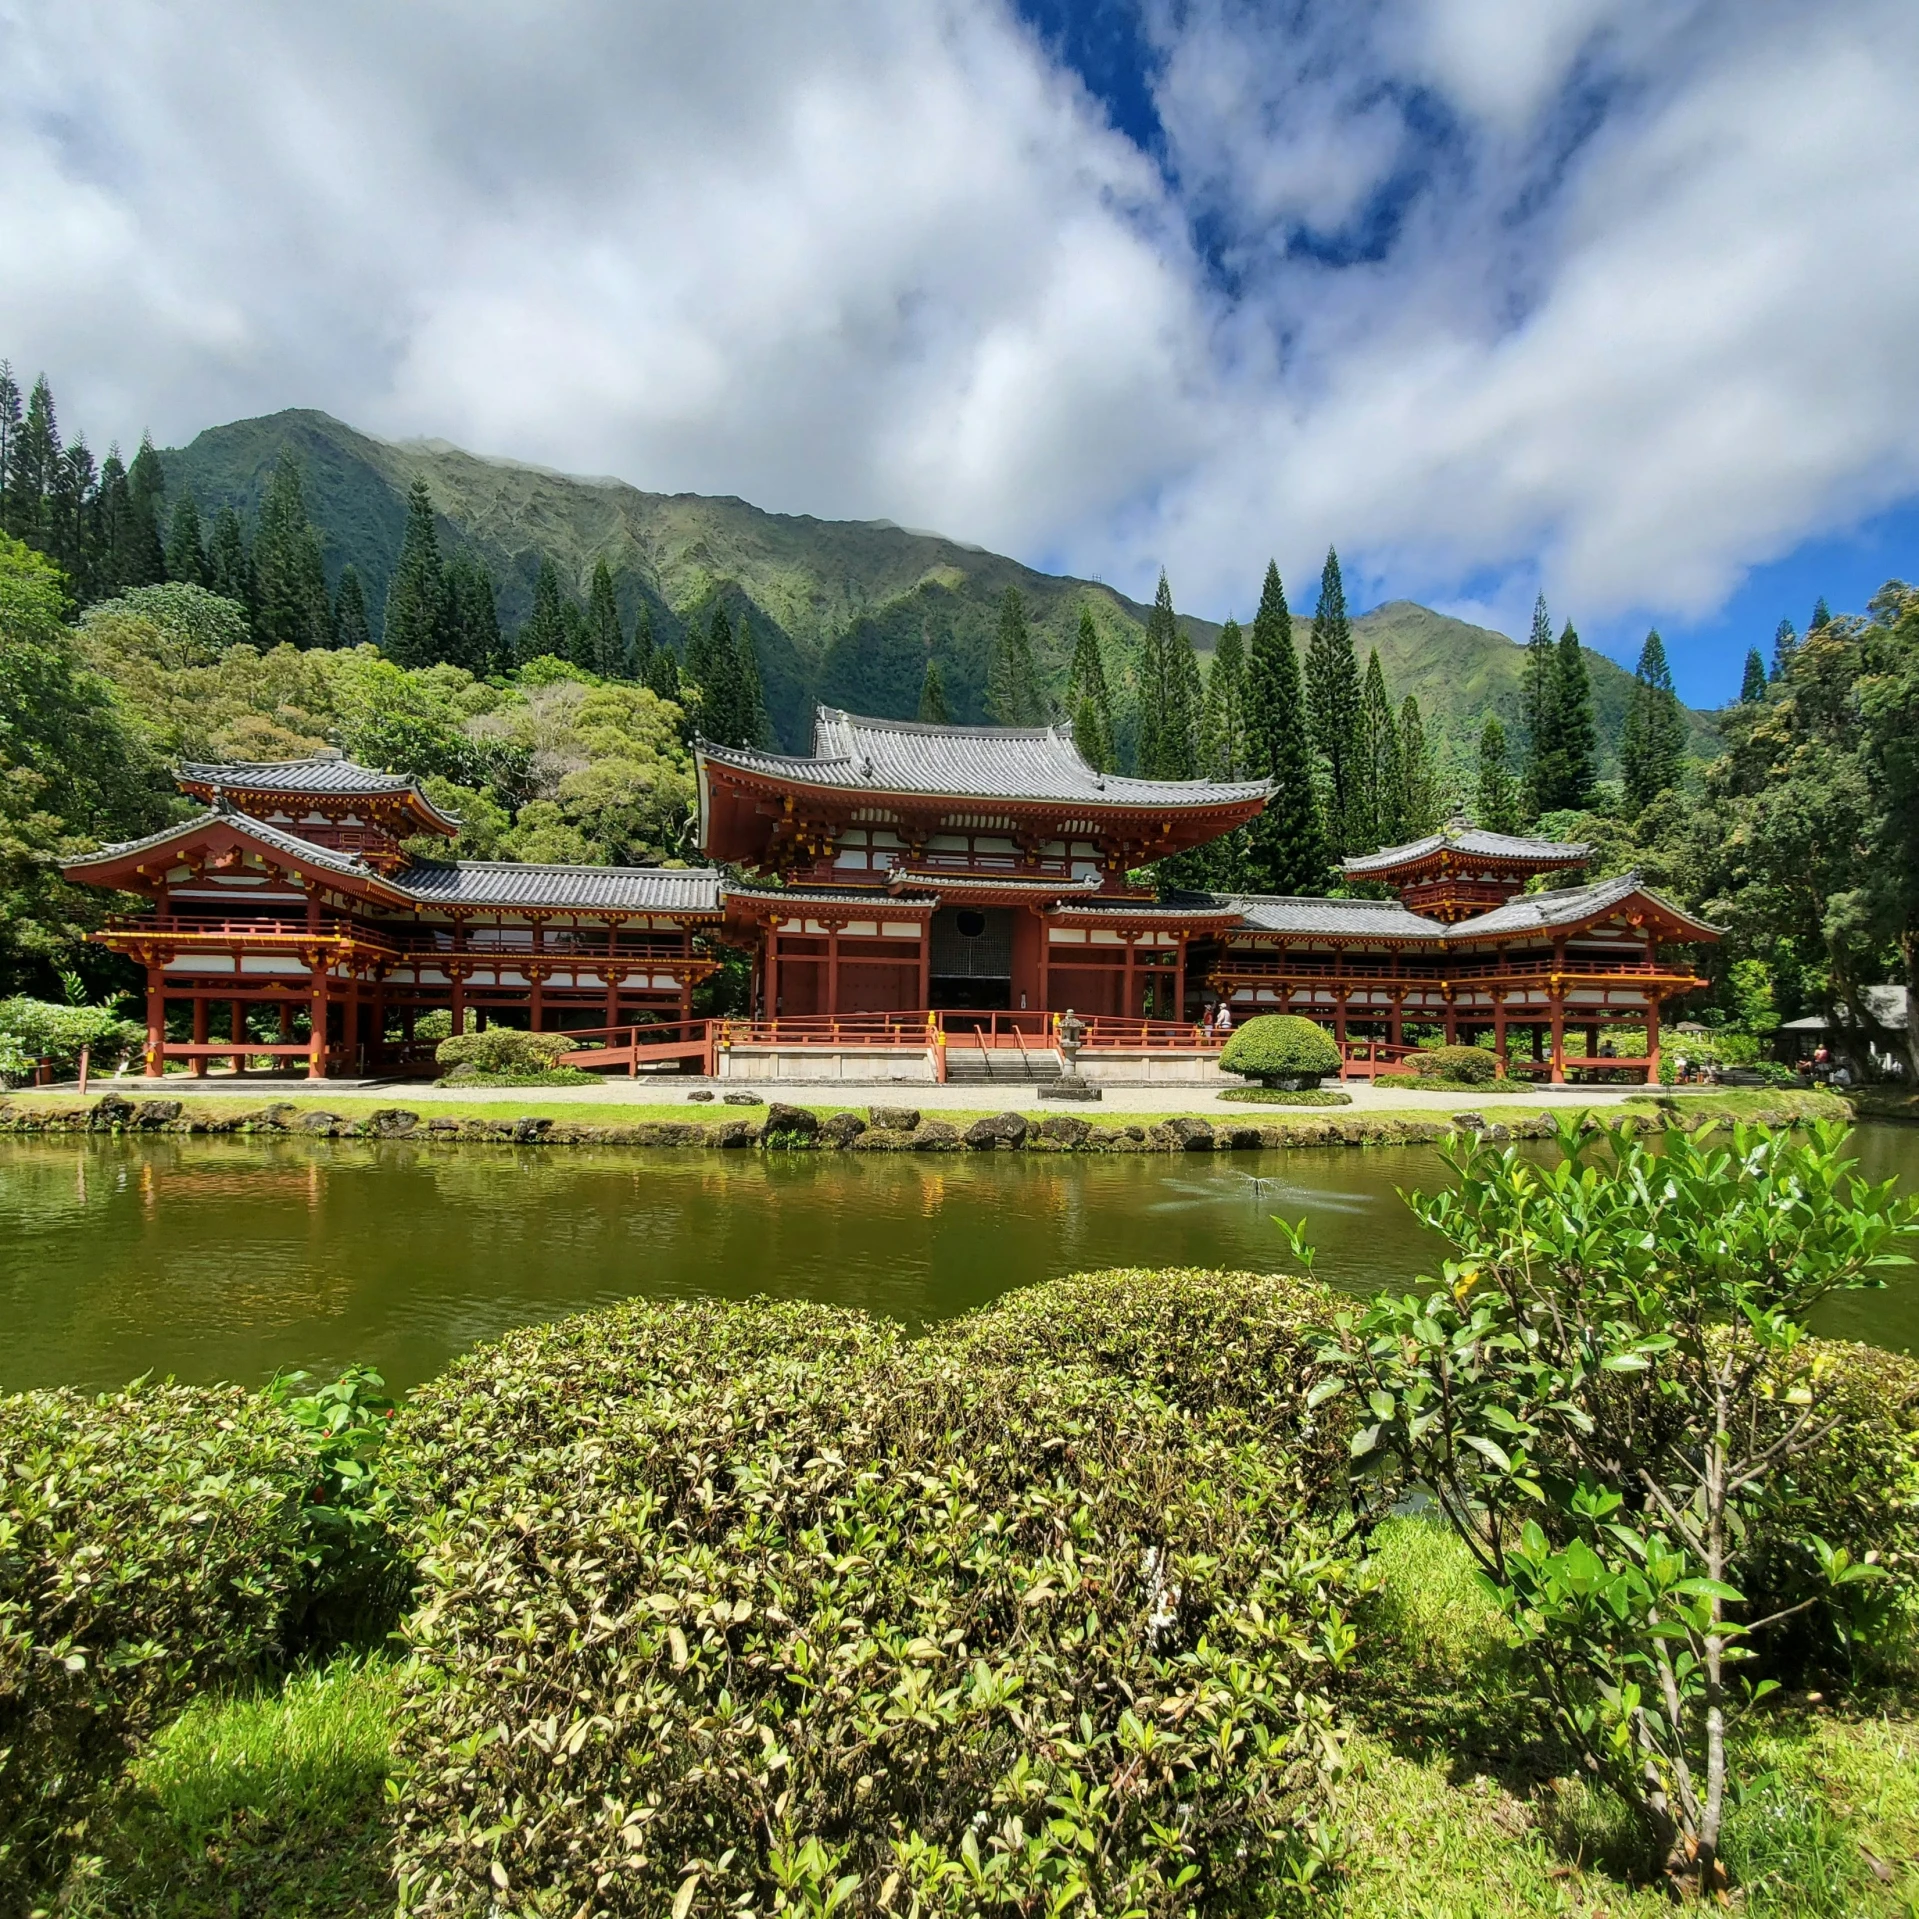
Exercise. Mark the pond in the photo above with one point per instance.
(210, 1259)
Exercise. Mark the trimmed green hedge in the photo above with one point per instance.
(1460, 1065)
(504, 1049)
(745, 1606)
(151, 1546)
(1280, 1046)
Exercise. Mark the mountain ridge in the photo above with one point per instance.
(843, 612)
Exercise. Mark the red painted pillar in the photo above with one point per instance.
(200, 1033)
(1559, 1038)
(1652, 1042)
(156, 1022)
(832, 966)
(1499, 1035)
(317, 1015)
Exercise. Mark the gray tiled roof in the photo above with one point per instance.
(911, 877)
(1533, 912)
(662, 889)
(1464, 837)
(293, 776)
(1351, 919)
(831, 896)
(305, 851)
(985, 762)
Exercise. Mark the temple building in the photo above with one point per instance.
(902, 885)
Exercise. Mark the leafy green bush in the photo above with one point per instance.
(1282, 1096)
(1456, 1065)
(43, 1029)
(504, 1049)
(435, 1026)
(1281, 1047)
(545, 1076)
(150, 1545)
(766, 1607)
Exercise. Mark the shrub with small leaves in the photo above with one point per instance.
(504, 1049)
(1281, 1047)
(762, 1608)
(1458, 1065)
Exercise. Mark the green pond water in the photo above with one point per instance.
(211, 1259)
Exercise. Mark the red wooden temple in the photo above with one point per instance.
(914, 878)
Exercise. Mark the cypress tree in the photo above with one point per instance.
(1168, 680)
(1419, 802)
(1563, 773)
(1332, 705)
(607, 641)
(1653, 744)
(229, 565)
(1223, 745)
(1539, 692)
(1379, 804)
(1288, 850)
(1013, 696)
(751, 694)
(349, 612)
(289, 586)
(415, 629)
(186, 549)
(1089, 703)
(1753, 687)
(932, 709)
(1785, 643)
(543, 632)
(145, 561)
(1496, 801)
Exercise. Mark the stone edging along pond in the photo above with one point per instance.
(888, 1129)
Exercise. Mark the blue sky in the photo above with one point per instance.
(1610, 299)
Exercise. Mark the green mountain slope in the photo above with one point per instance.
(841, 611)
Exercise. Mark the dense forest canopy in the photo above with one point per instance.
(142, 623)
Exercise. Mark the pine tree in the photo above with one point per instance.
(113, 522)
(576, 642)
(603, 625)
(291, 605)
(414, 631)
(721, 695)
(1753, 687)
(1288, 848)
(1223, 745)
(186, 548)
(640, 659)
(1821, 615)
(1089, 703)
(9, 433)
(1653, 744)
(145, 562)
(1419, 801)
(932, 710)
(1168, 681)
(1496, 802)
(349, 612)
(663, 674)
(1565, 769)
(1013, 696)
(1785, 643)
(1332, 705)
(754, 729)
(1539, 691)
(32, 464)
(229, 565)
(1378, 803)
(543, 632)
(473, 617)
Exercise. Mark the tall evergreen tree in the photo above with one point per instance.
(576, 643)
(1168, 714)
(1089, 703)
(932, 708)
(754, 727)
(1288, 848)
(186, 545)
(640, 658)
(1419, 798)
(1785, 643)
(349, 612)
(1539, 695)
(1653, 744)
(1821, 615)
(229, 563)
(663, 673)
(70, 525)
(291, 605)
(543, 632)
(144, 562)
(1013, 695)
(31, 466)
(603, 624)
(1224, 745)
(1564, 771)
(723, 718)
(414, 631)
(1496, 799)
(473, 617)
(10, 419)
(1379, 800)
(1332, 704)
(1753, 686)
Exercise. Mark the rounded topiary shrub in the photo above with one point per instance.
(1460, 1065)
(1281, 1049)
(504, 1049)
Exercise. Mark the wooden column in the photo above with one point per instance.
(1179, 978)
(1128, 1005)
(1499, 1036)
(686, 996)
(239, 1034)
(832, 966)
(1559, 1036)
(1652, 1042)
(773, 968)
(1045, 956)
(926, 965)
(459, 999)
(1396, 1027)
(536, 1004)
(200, 1033)
(156, 1022)
(613, 997)
(317, 1014)
(1452, 1024)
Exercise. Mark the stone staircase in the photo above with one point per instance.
(999, 1065)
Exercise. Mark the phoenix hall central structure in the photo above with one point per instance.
(900, 880)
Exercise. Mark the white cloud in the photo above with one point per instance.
(1608, 295)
